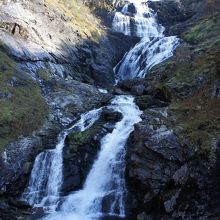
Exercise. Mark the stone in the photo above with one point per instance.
(181, 176)
(138, 90)
(171, 203)
(143, 216)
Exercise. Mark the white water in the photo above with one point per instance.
(47, 174)
(105, 182)
(141, 24)
(104, 189)
(153, 48)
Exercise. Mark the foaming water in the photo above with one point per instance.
(47, 173)
(137, 19)
(104, 190)
(144, 56)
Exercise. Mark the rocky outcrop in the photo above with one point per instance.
(81, 150)
(44, 59)
(17, 158)
(51, 35)
(173, 154)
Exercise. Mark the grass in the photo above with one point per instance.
(199, 119)
(204, 30)
(80, 17)
(24, 109)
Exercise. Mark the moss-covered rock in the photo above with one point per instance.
(78, 16)
(22, 107)
(79, 139)
(203, 31)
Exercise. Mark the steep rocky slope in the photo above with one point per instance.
(53, 54)
(173, 158)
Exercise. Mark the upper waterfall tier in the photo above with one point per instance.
(137, 19)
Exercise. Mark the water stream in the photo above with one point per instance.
(105, 181)
(104, 190)
(47, 174)
(137, 19)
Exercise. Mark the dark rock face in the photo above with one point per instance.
(154, 157)
(81, 150)
(166, 174)
(173, 154)
(132, 9)
(172, 12)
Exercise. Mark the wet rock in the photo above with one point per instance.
(19, 204)
(12, 209)
(148, 101)
(13, 167)
(154, 157)
(138, 90)
(181, 176)
(132, 9)
(143, 216)
(171, 203)
(117, 91)
(81, 150)
(110, 115)
(172, 12)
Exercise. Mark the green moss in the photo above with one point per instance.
(204, 30)
(79, 17)
(78, 139)
(199, 120)
(22, 109)
(43, 74)
(185, 73)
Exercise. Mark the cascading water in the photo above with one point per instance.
(137, 19)
(104, 189)
(47, 173)
(153, 48)
(106, 178)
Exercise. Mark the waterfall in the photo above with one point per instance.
(104, 189)
(47, 173)
(121, 22)
(103, 193)
(154, 46)
(137, 19)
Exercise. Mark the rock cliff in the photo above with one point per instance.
(54, 55)
(173, 154)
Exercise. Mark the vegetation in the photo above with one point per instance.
(191, 77)
(199, 119)
(79, 16)
(78, 139)
(22, 108)
(199, 115)
(204, 30)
